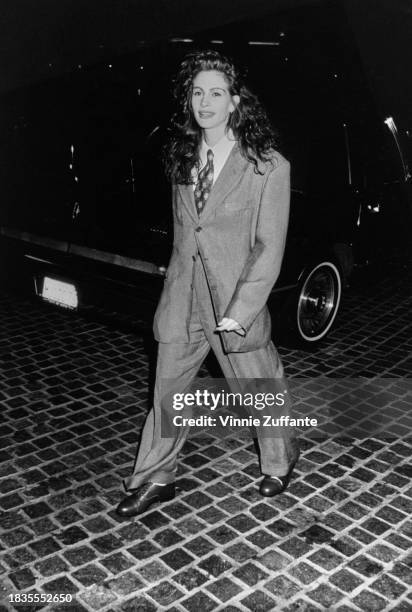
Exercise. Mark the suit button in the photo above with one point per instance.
(194, 257)
(198, 229)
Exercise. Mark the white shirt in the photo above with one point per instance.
(221, 152)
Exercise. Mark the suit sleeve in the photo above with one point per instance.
(263, 264)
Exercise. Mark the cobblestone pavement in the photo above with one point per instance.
(74, 394)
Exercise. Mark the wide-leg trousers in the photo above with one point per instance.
(157, 456)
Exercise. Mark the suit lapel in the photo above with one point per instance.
(188, 198)
(229, 176)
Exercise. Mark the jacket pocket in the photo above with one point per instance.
(235, 205)
(232, 209)
(257, 336)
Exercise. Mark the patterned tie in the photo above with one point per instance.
(204, 183)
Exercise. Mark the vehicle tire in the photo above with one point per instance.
(317, 300)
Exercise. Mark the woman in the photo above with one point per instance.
(230, 204)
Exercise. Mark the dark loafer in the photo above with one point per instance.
(273, 485)
(146, 495)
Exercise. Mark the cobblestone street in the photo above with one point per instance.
(74, 393)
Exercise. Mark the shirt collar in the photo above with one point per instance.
(223, 146)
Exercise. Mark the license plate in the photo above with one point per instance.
(60, 293)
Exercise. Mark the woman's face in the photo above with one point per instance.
(211, 100)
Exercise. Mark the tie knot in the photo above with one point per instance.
(209, 156)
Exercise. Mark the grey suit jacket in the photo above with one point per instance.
(241, 238)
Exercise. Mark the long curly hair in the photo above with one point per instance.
(249, 121)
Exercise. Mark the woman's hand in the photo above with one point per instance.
(228, 325)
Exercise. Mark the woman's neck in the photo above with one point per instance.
(214, 135)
